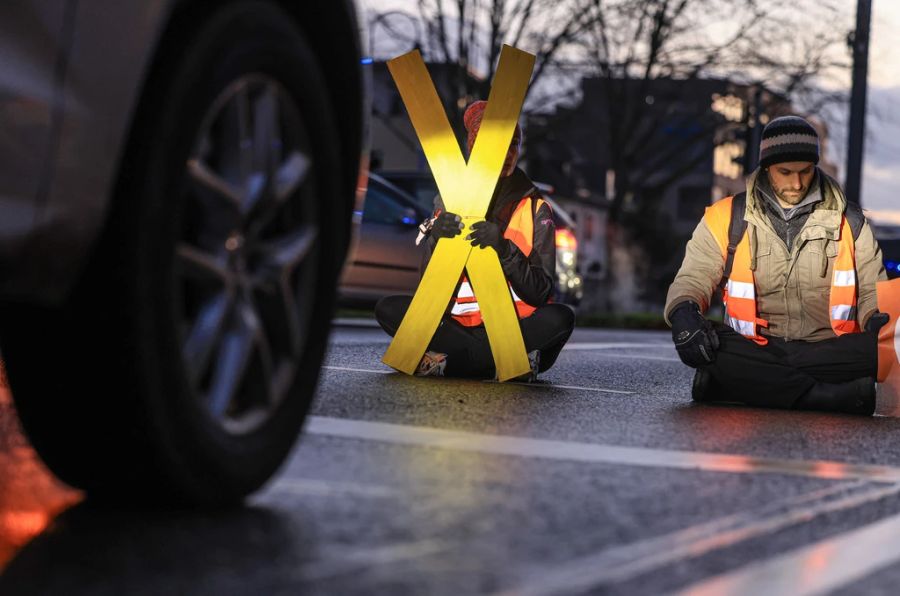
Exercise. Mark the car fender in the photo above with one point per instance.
(112, 46)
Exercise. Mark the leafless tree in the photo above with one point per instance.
(469, 35)
(793, 51)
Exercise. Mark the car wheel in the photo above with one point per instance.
(186, 358)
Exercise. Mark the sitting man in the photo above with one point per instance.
(519, 226)
(797, 265)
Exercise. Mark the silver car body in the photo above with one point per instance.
(71, 75)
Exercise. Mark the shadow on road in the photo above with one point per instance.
(90, 550)
(52, 541)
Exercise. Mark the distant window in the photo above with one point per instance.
(692, 200)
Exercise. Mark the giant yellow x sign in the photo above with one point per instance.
(466, 189)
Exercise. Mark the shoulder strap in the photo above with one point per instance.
(855, 218)
(736, 228)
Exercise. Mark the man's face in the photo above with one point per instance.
(512, 157)
(791, 180)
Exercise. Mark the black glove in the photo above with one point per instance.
(486, 233)
(694, 336)
(447, 225)
(877, 321)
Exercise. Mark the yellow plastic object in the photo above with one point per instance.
(466, 190)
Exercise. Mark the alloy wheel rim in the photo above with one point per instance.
(246, 260)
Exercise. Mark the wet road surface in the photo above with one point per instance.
(602, 479)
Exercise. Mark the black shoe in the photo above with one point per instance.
(853, 397)
(704, 388)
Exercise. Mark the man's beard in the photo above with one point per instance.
(792, 199)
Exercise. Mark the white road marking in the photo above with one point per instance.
(614, 346)
(555, 386)
(640, 357)
(383, 371)
(822, 567)
(532, 385)
(594, 452)
(329, 488)
(632, 560)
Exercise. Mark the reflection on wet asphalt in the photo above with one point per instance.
(30, 497)
(603, 478)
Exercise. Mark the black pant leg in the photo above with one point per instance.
(843, 358)
(548, 329)
(467, 348)
(756, 375)
(389, 312)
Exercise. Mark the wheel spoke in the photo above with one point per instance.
(244, 131)
(267, 131)
(205, 335)
(210, 185)
(291, 175)
(201, 265)
(290, 250)
(235, 353)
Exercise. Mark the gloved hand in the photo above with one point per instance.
(694, 336)
(486, 233)
(877, 321)
(447, 225)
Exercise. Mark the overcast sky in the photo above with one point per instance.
(881, 173)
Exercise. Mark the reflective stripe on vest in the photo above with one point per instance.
(739, 294)
(521, 232)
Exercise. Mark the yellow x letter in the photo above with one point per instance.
(466, 190)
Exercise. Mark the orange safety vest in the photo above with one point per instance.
(521, 231)
(739, 295)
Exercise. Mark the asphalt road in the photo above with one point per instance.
(601, 479)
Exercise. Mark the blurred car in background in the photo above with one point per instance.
(415, 191)
(177, 183)
(385, 259)
(888, 236)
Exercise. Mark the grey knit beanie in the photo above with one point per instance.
(788, 138)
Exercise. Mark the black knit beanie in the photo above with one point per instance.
(788, 138)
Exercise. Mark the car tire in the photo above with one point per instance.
(104, 384)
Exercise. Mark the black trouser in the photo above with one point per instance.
(777, 374)
(467, 348)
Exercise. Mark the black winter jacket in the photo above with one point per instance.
(532, 277)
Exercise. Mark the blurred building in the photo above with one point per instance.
(682, 144)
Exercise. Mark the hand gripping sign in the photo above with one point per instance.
(466, 190)
(889, 349)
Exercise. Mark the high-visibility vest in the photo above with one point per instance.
(739, 294)
(521, 232)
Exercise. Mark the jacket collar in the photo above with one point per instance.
(514, 187)
(823, 222)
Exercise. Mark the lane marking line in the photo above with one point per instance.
(533, 385)
(623, 563)
(614, 346)
(329, 488)
(641, 357)
(555, 386)
(594, 452)
(361, 370)
(818, 568)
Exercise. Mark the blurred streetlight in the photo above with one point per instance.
(859, 44)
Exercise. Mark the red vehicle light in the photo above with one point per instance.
(565, 240)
